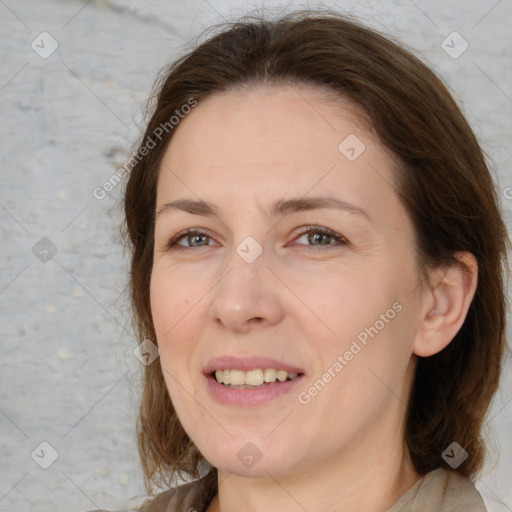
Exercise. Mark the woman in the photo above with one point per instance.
(317, 252)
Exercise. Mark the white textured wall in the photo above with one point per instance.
(68, 376)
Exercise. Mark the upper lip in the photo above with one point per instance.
(248, 363)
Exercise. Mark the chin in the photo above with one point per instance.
(252, 459)
(260, 469)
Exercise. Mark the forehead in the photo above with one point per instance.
(274, 140)
(270, 121)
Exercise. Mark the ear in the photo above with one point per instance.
(446, 303)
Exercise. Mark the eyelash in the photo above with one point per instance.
(173, 243)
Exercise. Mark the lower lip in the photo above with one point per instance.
(247, 396)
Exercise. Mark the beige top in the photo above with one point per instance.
(441, 490)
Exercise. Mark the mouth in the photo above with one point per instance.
(256, 378)
(248, 381)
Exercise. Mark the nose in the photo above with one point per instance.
(248, 295)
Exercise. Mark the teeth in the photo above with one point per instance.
(255, 377)
(237, 378)
(281, 375)
(270, 375)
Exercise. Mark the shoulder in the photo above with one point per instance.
(456, 490)
(441, 490)
(193, 496)
(190, 497)
(173, 499)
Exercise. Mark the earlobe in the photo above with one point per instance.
(446, 306)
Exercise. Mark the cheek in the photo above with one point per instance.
(171, 298)
(343, 302)
(360, 380)
(173, 311)
(175, 331)
(360, 316)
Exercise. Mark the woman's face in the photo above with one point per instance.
(301, 263)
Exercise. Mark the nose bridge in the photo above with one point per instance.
(245, 292)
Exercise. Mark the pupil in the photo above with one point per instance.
(195, 239)
(317, 237)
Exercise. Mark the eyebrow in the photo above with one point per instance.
(280, 207)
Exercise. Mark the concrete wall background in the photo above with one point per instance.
(68, 374)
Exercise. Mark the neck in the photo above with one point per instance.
(371, 481)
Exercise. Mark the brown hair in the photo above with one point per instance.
(442, 180)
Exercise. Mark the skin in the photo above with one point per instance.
(297, 302)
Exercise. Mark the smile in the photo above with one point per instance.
(252, 378)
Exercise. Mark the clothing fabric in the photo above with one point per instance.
(441, 490)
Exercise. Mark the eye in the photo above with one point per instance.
(317, 236)
(194, 237)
